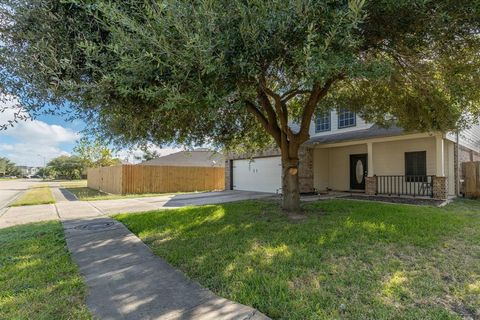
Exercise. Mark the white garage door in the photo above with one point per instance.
(258, 174)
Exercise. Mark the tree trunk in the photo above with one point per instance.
(290, 184)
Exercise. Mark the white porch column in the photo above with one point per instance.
(440, 156)
(371, 170)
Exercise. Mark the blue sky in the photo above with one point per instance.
(30, 142)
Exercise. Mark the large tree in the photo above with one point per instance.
(242, 72)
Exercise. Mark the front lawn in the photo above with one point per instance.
(38, 279)
(34, 196)
(349, 259)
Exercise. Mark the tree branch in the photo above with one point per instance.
(274, 131)
(293, 93)
(280, 107)
(318, 92)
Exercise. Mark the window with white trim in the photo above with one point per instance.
(346, 118)
(322, 122)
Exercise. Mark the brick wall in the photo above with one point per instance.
(228, 177)
(371, 185)
(305, 170)
(440, 190)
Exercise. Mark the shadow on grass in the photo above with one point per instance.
(348, 259)
(38, 280)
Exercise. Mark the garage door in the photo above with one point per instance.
(258, 174)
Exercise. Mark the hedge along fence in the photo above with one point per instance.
(471, 176)
(138, 179)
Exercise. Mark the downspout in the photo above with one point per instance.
(457, 166)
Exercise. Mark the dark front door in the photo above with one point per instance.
(358, 171)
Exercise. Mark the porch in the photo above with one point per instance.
(417, 165)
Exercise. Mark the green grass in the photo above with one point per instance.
(348, 259)
(38, 279)
(33, 196)
(88, 194)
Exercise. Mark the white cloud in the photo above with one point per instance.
(29, 142)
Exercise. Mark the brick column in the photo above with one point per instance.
(305, 170)
(371, 186)
(440, 188)
(228, 171)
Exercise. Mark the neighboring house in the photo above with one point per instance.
(196, 158)
(345, 153)
(28, 171)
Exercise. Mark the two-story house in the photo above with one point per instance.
(345, 153)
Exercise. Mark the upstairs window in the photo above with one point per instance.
(416, 166)
(322, 122)
(346, 119)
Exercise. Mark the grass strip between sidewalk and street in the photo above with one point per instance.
(38, 279)
(34, 196)
(346, 260)
(88, 194)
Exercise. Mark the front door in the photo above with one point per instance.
(358, 171)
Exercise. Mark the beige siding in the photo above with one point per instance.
(331, 166)
(389, 157)
(339, 158)
(321, 167)
(450, 166)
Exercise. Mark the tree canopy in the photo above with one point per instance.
(237, 72)
(94, 153)
(65, 167)
(8, 168)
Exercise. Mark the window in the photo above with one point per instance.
(346, 118)
(416, 166)
(322, 122)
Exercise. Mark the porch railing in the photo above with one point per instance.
(405, 185)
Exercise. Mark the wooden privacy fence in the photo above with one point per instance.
(471, 179)
(137, 179)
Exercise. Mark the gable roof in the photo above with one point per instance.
(195, 158)
(374, 131)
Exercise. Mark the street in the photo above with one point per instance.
(9, 189)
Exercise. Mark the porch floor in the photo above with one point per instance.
(355, 195)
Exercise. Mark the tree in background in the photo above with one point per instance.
(94, 153)
(47, 172)
(148, 154)
(8, 168)
(243, 73)
(66, 167)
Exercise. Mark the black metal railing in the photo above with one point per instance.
(405, 185)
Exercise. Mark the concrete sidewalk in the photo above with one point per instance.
(127, 281)
(27, 214)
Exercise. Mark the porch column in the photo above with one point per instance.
(371, 171)
(370, 180)
(440, 156)
(439, 181)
